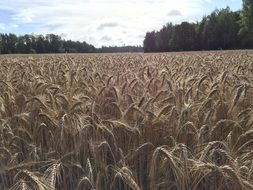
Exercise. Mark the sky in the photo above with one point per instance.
(102, 22)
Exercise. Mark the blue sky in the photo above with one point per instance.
(102, 22)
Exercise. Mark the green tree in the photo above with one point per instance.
(228, 28)
(21, 45)
(149, 44)
(55, 43)
(4, 43)
(219, 30)
(28, 43)
(40, 44)
(246, 22)
(12, 43)
(1, 44)
(211, 36)
(164, 37)
(184, 37)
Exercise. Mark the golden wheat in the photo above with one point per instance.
(127, 121)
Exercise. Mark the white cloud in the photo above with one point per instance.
(174, 12)
(100, 22)
(106, 38)
(26, 15)
(108, 25)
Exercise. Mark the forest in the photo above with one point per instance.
(222, 29)
(51, 43)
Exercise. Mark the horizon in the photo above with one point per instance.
(102, 22)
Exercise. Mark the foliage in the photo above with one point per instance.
(150, 44)
(246, 22)
(219, 30)
(10, 43)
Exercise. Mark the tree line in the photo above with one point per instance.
(117, 49)
(222, 29)
(51, 43)
(10, 43)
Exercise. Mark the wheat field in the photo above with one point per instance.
(176, 121)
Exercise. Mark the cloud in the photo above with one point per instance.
(25, 15)
(108, 25)
(106, 38)
(100, 22)
(141, 36)
(174, 12)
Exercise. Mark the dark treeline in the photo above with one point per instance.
(11, 43)
(222, 29)
(117, 49)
